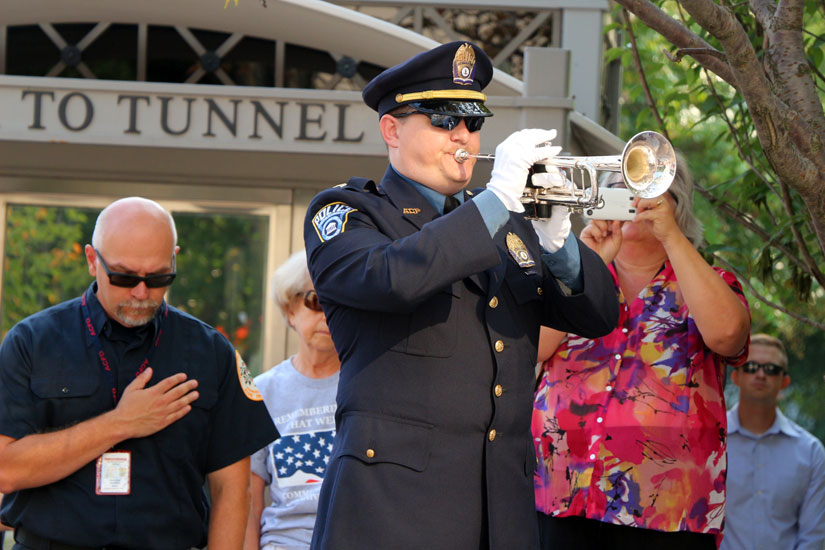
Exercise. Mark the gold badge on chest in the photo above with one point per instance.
(518, 251)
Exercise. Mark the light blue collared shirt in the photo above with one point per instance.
(564, 264)
(775, 488)
(433, 197)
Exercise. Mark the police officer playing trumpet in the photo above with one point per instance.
(434, 296)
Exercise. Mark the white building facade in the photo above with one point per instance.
(235, 117)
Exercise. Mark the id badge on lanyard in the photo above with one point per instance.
(114, 473)
(114, 468)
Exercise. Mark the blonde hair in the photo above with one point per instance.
(289, 280)
(762, 339)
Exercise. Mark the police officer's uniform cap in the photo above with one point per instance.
(448, 79)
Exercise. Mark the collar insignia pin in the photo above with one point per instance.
(412, 211)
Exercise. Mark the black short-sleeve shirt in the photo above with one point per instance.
(50, 378)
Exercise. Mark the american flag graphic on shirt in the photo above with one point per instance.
(300, 459)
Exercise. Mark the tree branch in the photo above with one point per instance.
(678, 34)
(763, 11)
(816, 70)
(819, 37)
(747, 158)
(788, 63)
(792, 146)
(800, 242)
(747, 72)
(744, 280)
(744, 220)
(680, 53)
(642, 76)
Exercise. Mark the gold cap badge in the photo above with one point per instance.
(518, 251)
(464, 64)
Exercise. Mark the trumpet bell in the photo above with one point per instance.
(648, 164)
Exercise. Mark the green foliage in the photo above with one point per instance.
(221, 265)
(709, 122)
(44, 262)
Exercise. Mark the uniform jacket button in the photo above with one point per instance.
(498, 390)
(499, 346)
(492, 435)
(370, 453)
(494, 302)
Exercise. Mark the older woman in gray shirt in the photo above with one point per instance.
(300, 395)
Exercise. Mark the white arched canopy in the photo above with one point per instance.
(309, 23)
(119, 130)
(206, 145)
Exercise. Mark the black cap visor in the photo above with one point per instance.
(451, 107)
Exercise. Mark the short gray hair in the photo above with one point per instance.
(290, 279)
(682, 191)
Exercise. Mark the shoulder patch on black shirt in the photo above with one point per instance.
(331, 220)
(250, 390)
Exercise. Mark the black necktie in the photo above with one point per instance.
(450, 204)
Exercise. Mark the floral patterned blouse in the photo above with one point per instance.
(630, 428)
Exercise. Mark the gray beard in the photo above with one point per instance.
(136, 320)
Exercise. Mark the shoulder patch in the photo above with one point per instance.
(331, 220)
(250, 390)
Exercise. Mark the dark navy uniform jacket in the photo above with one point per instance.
(50, 377)
(437, 329)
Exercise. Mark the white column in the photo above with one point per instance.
(546, 75)
(581, 34)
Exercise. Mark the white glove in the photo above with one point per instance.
(514, 158)
(553, 231)
(552, 178)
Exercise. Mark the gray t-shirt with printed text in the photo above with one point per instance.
(293, 467)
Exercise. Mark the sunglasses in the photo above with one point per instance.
(311, 300)
(448, 122)
(770, 369)
(127, 280)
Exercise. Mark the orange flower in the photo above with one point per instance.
(241, 333)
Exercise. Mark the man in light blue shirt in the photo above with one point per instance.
(776, 470)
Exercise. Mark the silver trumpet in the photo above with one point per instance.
(647, 164)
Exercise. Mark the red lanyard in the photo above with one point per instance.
(93, 337)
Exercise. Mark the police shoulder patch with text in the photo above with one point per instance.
(331, 220)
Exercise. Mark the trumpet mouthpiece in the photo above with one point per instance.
(461, 155)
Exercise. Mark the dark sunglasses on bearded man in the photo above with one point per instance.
(128, 280)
